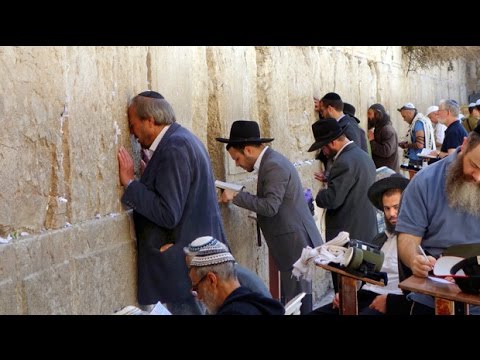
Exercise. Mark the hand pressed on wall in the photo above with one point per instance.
(125, 166)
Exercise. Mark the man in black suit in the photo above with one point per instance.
(351, 174)
(174, 202)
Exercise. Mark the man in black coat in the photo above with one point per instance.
(351, 174)
(173, 203)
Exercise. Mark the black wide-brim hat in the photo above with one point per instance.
(244, 132)
(376, 190)
(471, 282)
(324, 132)
(468, 280)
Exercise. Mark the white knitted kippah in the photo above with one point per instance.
(205, 242)
(212, 255)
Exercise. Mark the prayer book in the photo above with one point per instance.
(426, 154)
(225, 185)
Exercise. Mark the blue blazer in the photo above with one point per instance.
(175, 201)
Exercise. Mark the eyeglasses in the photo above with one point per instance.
(195, 287)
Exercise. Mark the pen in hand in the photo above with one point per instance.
(423, 253)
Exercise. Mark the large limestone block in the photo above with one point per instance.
(104, 281)
(9, 299)
(37, 253)
(49, 291)
(8, 262)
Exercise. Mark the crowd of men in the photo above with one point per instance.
(184, 259)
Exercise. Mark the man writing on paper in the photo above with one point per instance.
(282, 212)
(440, 208)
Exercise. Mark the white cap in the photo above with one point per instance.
(407, 106)
(203, 242)
(472, 105)
(216, 254)
(477, 103)
(431, 109)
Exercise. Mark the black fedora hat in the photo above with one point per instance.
(470, 283)
(349, 109)
(325, 131)
(394, 181)
(244, 132)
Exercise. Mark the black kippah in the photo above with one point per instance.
(332, 96)
(151, 94)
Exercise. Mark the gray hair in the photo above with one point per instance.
(450, 105)
(161, 111)
(224, 271)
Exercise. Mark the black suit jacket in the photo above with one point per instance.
(345, 198)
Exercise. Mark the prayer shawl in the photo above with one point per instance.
(427, 128)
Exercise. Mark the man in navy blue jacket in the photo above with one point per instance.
(173, 203)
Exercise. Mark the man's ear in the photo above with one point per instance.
(464, 145)
(212, 277)
(150, 122)
(247, 150)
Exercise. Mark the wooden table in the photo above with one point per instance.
(347, 289)
(445, 294)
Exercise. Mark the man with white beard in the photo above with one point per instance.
(440, 208)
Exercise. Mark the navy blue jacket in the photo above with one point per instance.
(175, 201)
(243, 301)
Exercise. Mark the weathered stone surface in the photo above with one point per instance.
(8, 262)
(104, 281)
(49, 291)
(9, 299)
(65, 118)
(84, 269)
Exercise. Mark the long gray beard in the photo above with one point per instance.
(209, 303)
(462, 194)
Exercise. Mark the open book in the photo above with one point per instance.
(159, 309)
(426, 154)
(444, 264)
(225, 185)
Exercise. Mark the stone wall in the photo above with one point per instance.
(64, 118)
